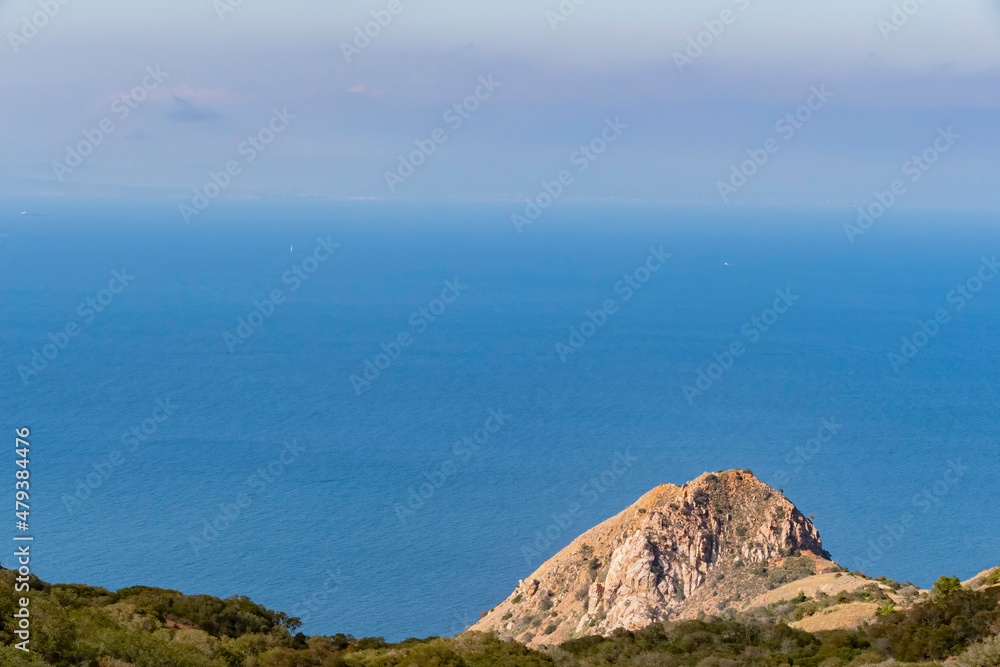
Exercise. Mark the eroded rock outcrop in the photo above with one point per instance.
(713, 543)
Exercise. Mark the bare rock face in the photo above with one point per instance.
(716, 542)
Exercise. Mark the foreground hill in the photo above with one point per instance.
(146, 627)
(716, 543)
(721, 572)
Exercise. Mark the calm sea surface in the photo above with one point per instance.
(175, 446)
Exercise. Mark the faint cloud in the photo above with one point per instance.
(197, 97)
(188, 112)
(362, 89)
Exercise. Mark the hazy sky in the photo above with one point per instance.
(688, 121)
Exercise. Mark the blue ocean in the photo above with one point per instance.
(380, 417)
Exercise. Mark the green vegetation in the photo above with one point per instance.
(792, 569)
(148, 627)
(802, 606)
(708, 642)
(948, 584)
(469, 650)
(986, 654)
(956, 622)
(891, 583)
(939, 627)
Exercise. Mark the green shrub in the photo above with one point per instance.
(986, 654)
(12, 657)
(232, 617)
(434, 654)
(792, 569)
(948, 584)
(938, 628)
(369, 643)
(286, 657)
(833, 662)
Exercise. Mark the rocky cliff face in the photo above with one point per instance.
(713, 543)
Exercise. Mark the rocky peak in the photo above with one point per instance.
(715, 542)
